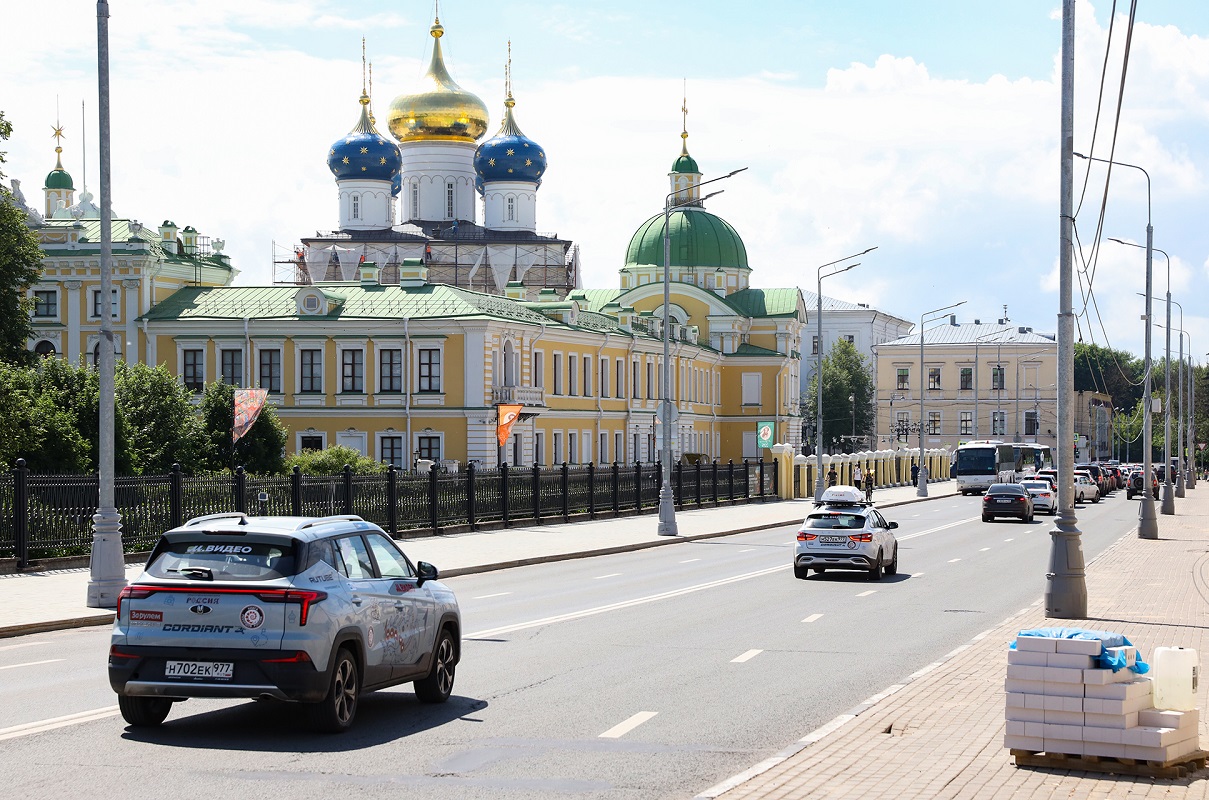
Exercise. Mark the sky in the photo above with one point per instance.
(932, 137)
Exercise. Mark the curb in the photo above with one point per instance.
(9, 631)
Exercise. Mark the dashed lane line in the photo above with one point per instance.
(867, 593)
(610, 575)
(813, 617)
(622, 728)
(489, 596)
(954, 560)
(41, 726)
(21, 644)
(32, 663)
(748, 656)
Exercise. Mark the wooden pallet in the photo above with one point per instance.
(1180, 767)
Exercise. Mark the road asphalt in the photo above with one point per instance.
(937, 734)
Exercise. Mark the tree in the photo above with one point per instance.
(1113, 372)
(846, 374)
(36, 428)
(331, 461)
(20, 267)
(163, 424)
(76, 390)
(260, 451)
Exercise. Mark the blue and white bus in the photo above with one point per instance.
(980, 463)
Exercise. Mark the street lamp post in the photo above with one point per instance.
(667, 501)
(106, 566)
(1179, 393)
(852, 400)
(922, 489)
(818, 368)
(1148, 523)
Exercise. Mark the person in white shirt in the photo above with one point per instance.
(857, 475)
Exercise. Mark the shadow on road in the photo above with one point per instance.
(269, 726)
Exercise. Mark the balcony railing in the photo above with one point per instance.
(525, 395)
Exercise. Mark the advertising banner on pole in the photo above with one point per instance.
(248, 405)
(506, 416)
(765, 430)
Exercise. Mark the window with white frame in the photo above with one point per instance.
(902, 424)
(96, 304)
(232, 367)
(558, 447)
(352, 370)
(751, 388)
(634, 384)
(619, 388)
(617, 446)
(449, 197)
(310, 371)
(998, 423)
(572, 450)
(1031, 423)
(814, 345)
(46, 303)
(539, 447)
(415, 201)
(390, 370)
(997, 377)
(933, 377)
(390, 451)
(429, 447)
(572, 373)
(604, 376)
(587, 376)
(933, 423)
(356, 202)
(511, 208)
(650, 380)
(967, 423)
(603, 455)
(539, 369)
(193, 369)
(904, 379)
(967, 379)
(270, 370)
(429, 362)
(310, 441)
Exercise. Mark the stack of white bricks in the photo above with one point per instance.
(1058, 701)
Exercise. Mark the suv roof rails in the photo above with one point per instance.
(239, 515)
(328, 520)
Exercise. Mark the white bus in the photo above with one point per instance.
(980, 463)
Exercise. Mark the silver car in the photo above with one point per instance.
(308, 610)
(1044, 496)
(846, 532)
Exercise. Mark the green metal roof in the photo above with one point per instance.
(59, 179)
(698, 239)
(685, 164)
(766, 302)
(120, 232)
(594, 299)
(752, 350)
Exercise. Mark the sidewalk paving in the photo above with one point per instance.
(33, 602)
(941, 734)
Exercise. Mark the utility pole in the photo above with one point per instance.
(1066, 584)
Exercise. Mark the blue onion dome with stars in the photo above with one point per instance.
(509, 155)
(364, 153)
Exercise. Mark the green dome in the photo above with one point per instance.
(698, 239)
(59, 179)
(685, 164)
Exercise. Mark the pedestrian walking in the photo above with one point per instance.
(857, 475)
(832, 478)
(914, 473)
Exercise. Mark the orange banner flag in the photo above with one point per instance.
(506, 417)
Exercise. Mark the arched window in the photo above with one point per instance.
(511, 209)
(449, 206)
(415, 201)
(356, 206)
(44, 349)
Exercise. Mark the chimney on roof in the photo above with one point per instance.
(977, 322)
(953, 320)
(369, 273)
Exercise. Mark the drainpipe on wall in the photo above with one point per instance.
(247, 354)
(407, 393)
(537, 338)
(600, 393)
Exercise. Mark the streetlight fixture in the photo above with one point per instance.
(1148, 523)
(818, 369)
(922, 490)
(107, 569)
(852, 399)
(667, 502)
(1179, 393)
(1168, 506)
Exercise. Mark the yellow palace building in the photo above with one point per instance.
(401, 331)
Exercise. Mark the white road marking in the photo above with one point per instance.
(489, 596)
(29, 728)
(31, 663)
(621, 729)
(748, 656)
(983, 550)
(610, 575)
(934, 530)
(916, 574)
(1008, 540)
(867, 593)
(689, 560)
(588, 612)
(22, 644)
(813, 617)
(954, 560)
(748, 550)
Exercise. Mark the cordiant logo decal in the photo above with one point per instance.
(251, 617)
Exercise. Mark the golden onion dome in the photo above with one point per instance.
(445, 112)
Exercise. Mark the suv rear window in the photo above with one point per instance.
(834, 519)
(222, 559)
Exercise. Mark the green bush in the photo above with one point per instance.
(331, 461)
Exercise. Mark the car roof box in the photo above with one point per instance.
(843, 495)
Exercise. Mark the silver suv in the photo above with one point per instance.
(300, 609)
(846, 532)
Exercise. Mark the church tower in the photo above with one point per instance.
(58, 188)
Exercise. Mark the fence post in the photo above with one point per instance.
(679, 499)
(638, 486)
(470, 487)
(776, 474)
(241, 490)
(698, 483)
(730, 480)
(566, 491)
(616, 489)
(432, 499)
(176, 497)
(296, 492)
(761, 477)
(348, 489)
(591, 490)
(537, 493)
(505, 508)
(714, 481)
(21, 513)
(392, 499)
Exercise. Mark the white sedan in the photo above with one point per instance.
(1044, 497)
(1085, 488)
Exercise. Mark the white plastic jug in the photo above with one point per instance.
(1175, 678)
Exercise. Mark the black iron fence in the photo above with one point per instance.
(44, 516)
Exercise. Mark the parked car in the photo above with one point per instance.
(1085, 488)
(846, 532)
(1044, 496)
(297, 609)
(1007, 500)
(1134, 488)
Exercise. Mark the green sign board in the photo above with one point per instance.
(764, 433)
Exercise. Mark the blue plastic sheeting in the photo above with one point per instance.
(1106, 660)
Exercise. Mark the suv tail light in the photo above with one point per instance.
(303, 597)
(803, 536)
(861, 537)
(132, 593)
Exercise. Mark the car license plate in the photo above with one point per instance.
(200, 670)
(1003, 501)
(833, 539)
